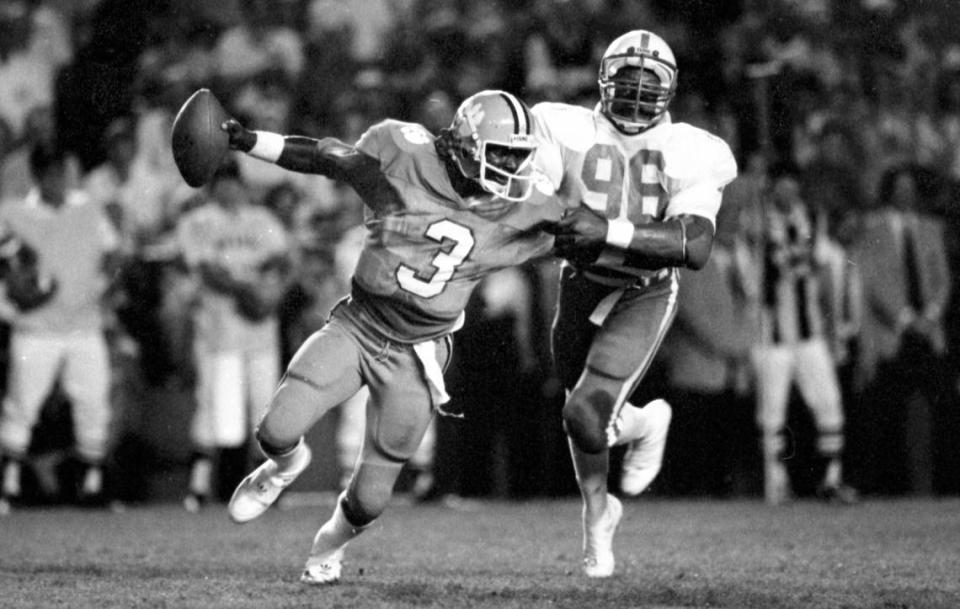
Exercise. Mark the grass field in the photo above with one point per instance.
(888, 554)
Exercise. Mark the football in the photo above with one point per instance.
(199, 145)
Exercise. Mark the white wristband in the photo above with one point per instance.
(620, 233)
(268, 148)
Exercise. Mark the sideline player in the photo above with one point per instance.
(644, 194)
(441, 213)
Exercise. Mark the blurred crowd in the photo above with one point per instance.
(844, 116)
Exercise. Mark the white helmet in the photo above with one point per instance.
(491, 141)
(638, 78)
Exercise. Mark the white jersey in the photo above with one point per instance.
(241, 241)
(668, 170)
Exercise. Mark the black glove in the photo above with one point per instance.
(254, 304)
(580, 235)
(239, 136)
(27, 286)
(260, 299)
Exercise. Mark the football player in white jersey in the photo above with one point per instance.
(643, 194)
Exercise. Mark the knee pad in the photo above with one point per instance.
(396, 435)
(586, 420)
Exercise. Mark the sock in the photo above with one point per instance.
(287, 459)
(335, 533)
(833, 476)
(591, 471)
(201, 474)
(829, 445)
(11, 477)
(92, 481)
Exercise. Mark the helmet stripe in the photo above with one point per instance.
(521, 120)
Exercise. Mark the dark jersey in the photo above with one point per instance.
(427, 246)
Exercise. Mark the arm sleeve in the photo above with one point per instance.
(697, 166)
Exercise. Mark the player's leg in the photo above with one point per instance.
(323, 373)
(619, 355)
(421, 463)
(86, 381)
(819, 386)
(362, 502)
(33, 366)
(398, 414)
(218, 418)
(349, 436)
(774, 366)
(571, 336)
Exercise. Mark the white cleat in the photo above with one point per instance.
(598, 559)
(644, 456)
(262, 486)
(323, 570)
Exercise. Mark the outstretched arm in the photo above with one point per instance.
(328, 156)
(679, 241)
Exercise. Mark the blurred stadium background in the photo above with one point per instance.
(774, 78)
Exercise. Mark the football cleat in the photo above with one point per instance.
(644, 456)
(598, 559)
(260, 489)
(323, 570)
(840, 494)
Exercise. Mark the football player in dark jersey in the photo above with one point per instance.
(441, 213)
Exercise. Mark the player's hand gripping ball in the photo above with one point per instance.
(239, 137)
(199, 144)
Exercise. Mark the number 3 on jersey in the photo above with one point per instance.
(445, 262)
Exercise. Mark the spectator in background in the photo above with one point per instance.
(706, 357)
(60, 337)
(36, 45)
(237, 252)
(794, 345)
(110, 184)
(16, 177)
(6, 144)
(906, 286)
(561, 49)
(832, 180)
(494, 344)
(258, 43)
(329, 66)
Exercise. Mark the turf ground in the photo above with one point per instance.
(889, 554)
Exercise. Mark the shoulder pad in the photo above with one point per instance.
(569, 126)
(389, 136)
(693, 155)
